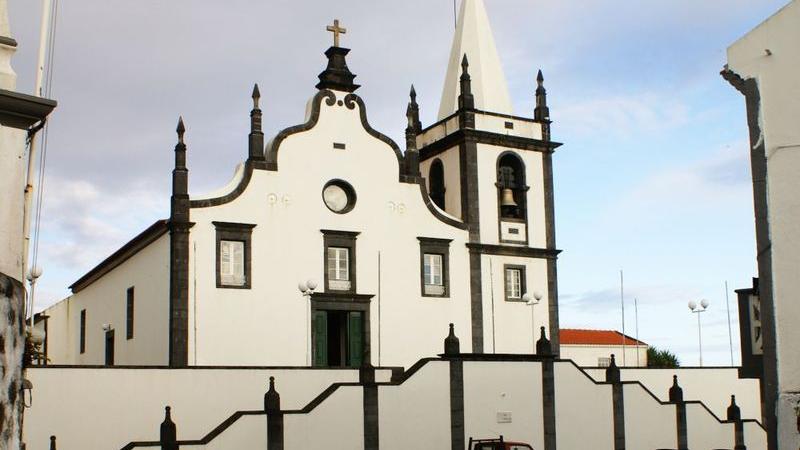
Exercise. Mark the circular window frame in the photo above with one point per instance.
(349, 192)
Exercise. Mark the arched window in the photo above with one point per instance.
(511, 187)
(436, 177)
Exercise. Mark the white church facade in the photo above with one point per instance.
(457, 227)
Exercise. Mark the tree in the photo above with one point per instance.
(662, 359)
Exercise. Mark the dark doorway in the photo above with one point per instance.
(110, 347)
(338, 338)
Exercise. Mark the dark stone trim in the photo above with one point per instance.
(522, 281)
(758, 162)
(9, 41)
(82, 332)
(436, 247)
(145, 238)
(129, 312)
(456, 404)
(341, 297)
(340, 239)
(549, 403)
(682, 426)
(505, 250)
(752, 364)
(337, 75)
(485, 137)
(179, 293)
(328, 302)
(22, 111)
(550, 232)
(371, 410)
(241, 232)
(479, 112)
(618, 399)
(476, 301)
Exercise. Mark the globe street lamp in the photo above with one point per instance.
(307, 289)
(33, 274)
(532, 301)
(697, 309)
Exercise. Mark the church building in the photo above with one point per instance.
(389, 244)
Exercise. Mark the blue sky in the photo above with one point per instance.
(653, 177)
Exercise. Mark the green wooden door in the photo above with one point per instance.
(320, 338)
(355, 339)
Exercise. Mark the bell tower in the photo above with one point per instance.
(493, 170)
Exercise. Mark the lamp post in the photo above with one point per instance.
(532, 302)
(33, 274)
(697, 309)
(307, 289)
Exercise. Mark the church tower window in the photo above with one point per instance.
(436, 175)
(435, 256)
(511, 188)
(233, 255)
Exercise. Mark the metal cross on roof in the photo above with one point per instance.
(336, 30)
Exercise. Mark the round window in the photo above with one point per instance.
(339, 196)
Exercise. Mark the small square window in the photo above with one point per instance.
(433, 274)
(231, 263)
(515, 282)
(233, 255)
(339, 268)
(434, 256)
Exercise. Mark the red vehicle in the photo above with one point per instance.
(496, 444)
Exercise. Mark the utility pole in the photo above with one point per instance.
(21, 116)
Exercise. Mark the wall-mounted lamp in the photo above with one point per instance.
(307, 288)
(27, 387)
(532, 301)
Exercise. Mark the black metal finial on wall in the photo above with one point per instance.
(181, 130)
(452, 346)
(675, 392)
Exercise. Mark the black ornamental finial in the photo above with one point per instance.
(542, 112)
(256, 138)
(675, 392)
(52, 443)
(413, 94)
(256, 96)
(464, 64)
(540, 78)
(452, 345)
(272, 400)
(181, 130)
(169, 432)
(612, 371)
(734, 413)
(543, 347)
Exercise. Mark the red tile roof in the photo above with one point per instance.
(596, 337)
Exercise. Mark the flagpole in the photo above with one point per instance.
(32, 149)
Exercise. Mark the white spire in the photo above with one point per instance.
(474, 38)
(8, 78)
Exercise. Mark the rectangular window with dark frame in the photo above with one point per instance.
(434, 267)
(234, 255)
(129, 314)
(514, 282)
(340, 260)
(83, 332)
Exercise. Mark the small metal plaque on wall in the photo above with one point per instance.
(504, 417)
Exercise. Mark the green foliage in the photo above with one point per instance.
(662, 359)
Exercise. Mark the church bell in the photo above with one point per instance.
(507, 198)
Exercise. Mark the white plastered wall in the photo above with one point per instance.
(339, 420)
(584, 410)
(105, 302)
(107, 408)
(491, 388)
(648, 423)
(712, 386)
(507, 324)
(770, 55)
(287, 246)
(424, 391)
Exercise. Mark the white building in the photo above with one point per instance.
(456, 228)
(593, 348)
(763, 66)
